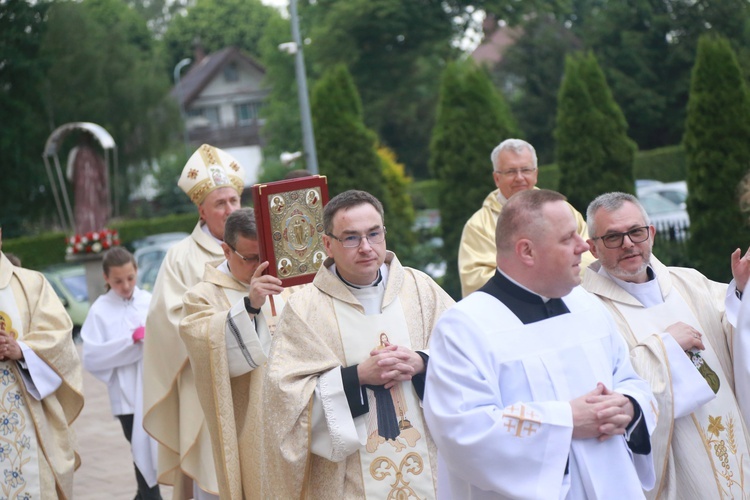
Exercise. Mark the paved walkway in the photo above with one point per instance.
(106, 464)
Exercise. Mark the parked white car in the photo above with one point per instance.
(676, 192)
(149, 255)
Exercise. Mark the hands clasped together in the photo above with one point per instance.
(601, 414)
(9, 348)
(390, 365)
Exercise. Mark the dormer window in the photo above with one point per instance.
(231, 73)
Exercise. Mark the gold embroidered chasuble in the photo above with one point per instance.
(477, 251)
(232, 405)
(703, 454)
(398, 467)
(307, 344)
(172, 412)
(36, 435)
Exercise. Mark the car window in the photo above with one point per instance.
(148, 259)
(77, 286)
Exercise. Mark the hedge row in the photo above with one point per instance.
(38, 252)
(664, 164)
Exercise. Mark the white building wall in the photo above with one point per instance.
(250, 157)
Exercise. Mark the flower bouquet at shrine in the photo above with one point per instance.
(93, 242)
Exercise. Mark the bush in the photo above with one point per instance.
(666, 164)
(38, 252)
(663, 164)
(424, 194)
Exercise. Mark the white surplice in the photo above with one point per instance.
(497, 403)
(110, 354)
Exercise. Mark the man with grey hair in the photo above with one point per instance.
(678, 325)
(227, 332)
(514, 169)
(345, 376)
(530, 391)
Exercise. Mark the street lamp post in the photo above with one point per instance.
(308, 139)
(177, 85)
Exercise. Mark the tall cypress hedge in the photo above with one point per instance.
(593, 151)
(472, 119)
(717, 147)
(345, 147)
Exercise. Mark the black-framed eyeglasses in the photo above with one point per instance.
(614, 240)
(254, 258)
(354, 240)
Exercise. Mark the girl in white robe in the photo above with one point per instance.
(113, 352)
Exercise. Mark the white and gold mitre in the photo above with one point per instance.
(210, 168)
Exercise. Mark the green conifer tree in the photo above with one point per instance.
(718, 156)
(593, 151)
(472, 119)
(345, 147)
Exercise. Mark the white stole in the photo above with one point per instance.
(720, 428)
(19, 459)
(390, 468)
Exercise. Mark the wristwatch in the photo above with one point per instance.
(249, 308)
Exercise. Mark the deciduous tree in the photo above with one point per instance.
(103, 68)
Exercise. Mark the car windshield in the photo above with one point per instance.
(674, 196)
(656, 204)
(149, 259)
(77, 286)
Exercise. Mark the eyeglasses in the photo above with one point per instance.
(514, 172)
(254, 258)
(354, 240)
(614, 240)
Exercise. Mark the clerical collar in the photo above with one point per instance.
(224, 268)
(204, 228)
(544, 299)
(529, 307)
(501, 198)
(647, 293)
(359, 287)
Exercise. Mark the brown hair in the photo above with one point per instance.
(346, 200)
(116, 257)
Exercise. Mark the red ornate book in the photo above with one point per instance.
(289, 215)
